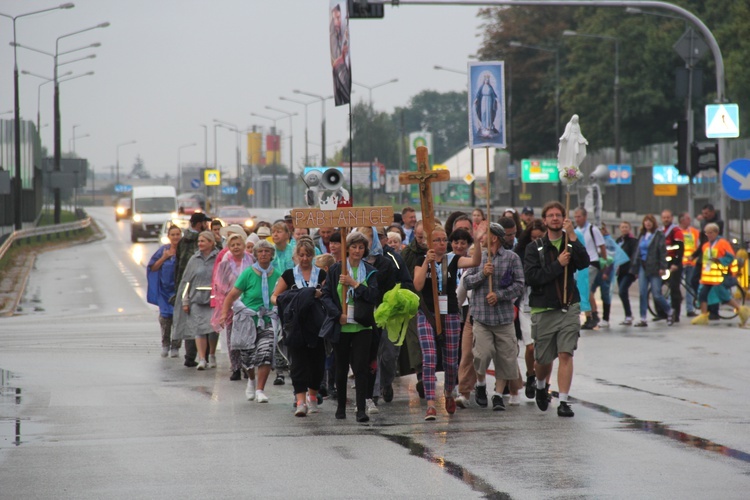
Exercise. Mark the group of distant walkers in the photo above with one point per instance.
(517, 287)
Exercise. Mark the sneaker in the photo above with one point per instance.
(670, 319)
(588, 324)
(190, 363)
(164, 352)
(542, 398)
(261, 397)
(312, 405)
(701, 319)
(515, 400)
(362, 416)
(530, 385)
(744, 314)
(420, 389)
(250, 390)
(212, 360)
(431, 414)
(480, 395)
(627, 321)
(450, 405)
(301, 410)
(202, 364)
(279, 380)
(387, 393)
(692, 314)
(641, 324)
(174, 353)
(236, 375)
(564, 410)
(604, 324)
(462, 401)
(497, 403)
(371, 407)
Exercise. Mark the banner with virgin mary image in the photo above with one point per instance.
(486, 104)
(340, 62)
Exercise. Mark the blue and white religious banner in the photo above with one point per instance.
(486, 104)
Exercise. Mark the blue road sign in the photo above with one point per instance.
(722, 121)
(512, 172)
(229, 190)
(123, 188)
(668, 174)
(620, 174)
(736, 179)
(195, 183)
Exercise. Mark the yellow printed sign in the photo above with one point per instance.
(343, 217)
(665, 189)
(212, 178)
(524, 196)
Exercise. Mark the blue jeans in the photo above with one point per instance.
(655, 282)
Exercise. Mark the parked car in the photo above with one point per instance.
(236, 214)
(122, 209)
(179, 222)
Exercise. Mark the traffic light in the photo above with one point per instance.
(363, 9)
(681, 145)
(705, 157)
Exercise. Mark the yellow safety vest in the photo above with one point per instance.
(691, 238)
(713, 273)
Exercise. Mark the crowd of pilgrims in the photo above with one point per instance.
(274, 295)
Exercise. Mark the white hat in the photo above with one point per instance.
(254, 238)
(263, 232)
(233, 228)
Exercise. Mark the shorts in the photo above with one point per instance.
(555, 332)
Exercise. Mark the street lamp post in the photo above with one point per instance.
(370, 88)
(236, 130)
(617, 99)
(179, 163)
(291, 149)
(322, 123)
(305, 104)
(72, 141)
(17, 121)
(117, 178)
(555, 51)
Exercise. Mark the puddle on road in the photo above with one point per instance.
(622, 386)
(660, 429)
(475, 482)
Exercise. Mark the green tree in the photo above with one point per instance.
(373, 136)
(139, 169)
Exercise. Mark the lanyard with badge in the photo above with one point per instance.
(442, 276)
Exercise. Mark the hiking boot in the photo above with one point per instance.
(480, 395)
(542, 398)
(530, 386)
(564, 410)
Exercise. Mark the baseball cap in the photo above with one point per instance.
(199, 217)
(527, 210)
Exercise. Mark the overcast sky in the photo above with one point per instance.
(166, 66)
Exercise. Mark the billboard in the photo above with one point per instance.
(254, 148)
(273, 149)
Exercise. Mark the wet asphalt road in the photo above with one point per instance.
(89, 409)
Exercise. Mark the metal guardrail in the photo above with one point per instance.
(24, 234)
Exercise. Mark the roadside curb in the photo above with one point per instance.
(28, 265)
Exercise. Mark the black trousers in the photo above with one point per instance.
(353, 349)
(307, 366)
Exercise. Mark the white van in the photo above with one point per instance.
(151, 206)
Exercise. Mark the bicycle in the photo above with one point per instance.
(725, 310)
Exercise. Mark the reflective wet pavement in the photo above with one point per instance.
(88, 409)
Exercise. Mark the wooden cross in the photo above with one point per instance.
(425, 177)
(343, 218)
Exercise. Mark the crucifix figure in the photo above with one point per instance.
(425, 177)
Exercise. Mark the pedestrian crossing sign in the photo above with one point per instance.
(212, 178)
(722, 121)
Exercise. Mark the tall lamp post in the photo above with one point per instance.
(234, 128)
(72, 141)
(305, 104)
(472, 193)
(291, 149)
(179, 162)
(39, 94)
(617, 98)
(322, 123)
(555, 51)
(371, 88)
(117, 178)
(18, 191)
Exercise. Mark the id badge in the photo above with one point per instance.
(350, 314)
(443, 304)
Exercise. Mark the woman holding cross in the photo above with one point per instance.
(444, 282)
